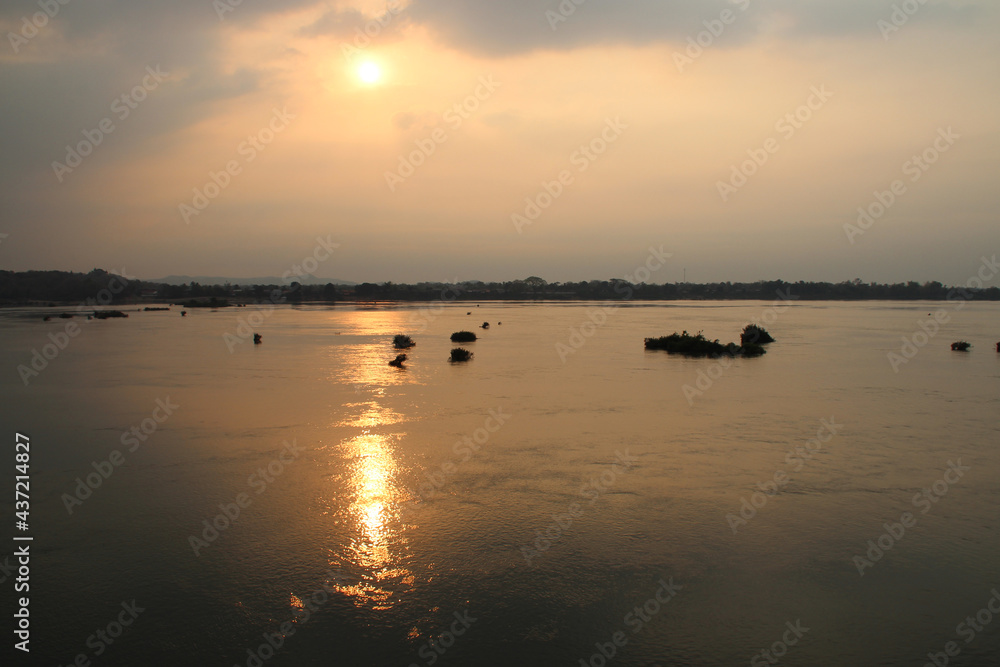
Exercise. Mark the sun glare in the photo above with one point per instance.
(369, 72)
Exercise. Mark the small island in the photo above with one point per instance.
(463, 337)
(687, 345)
(402, 342)
(459, 354)
(105, 314)
(753, 333)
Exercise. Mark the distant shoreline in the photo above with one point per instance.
(79, 308)
(100, 288)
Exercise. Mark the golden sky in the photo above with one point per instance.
(437, 140)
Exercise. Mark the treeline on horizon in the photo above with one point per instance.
(40, 287)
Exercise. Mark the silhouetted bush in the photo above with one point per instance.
(398, 361)
(753, 333)
(105, 314)
(698, 346)
(401, 342)
(460, 354)
(463, 337)
(961, 346)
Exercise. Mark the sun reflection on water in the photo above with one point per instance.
(372, 513)
(370, 493)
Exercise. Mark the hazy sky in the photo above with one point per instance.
(740, 136)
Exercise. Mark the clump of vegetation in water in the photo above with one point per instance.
(463, 337)
(753, 333)
(460, 354)
(698, 346)
(398, 361)
(486, 325)
(105, 314)
(401, 342)
(961, 346)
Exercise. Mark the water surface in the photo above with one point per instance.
(392, 523)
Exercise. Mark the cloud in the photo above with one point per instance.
(490, 28)
(350, 23)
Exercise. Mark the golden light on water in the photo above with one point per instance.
(377, 543)
(374, 496)
(371, 494)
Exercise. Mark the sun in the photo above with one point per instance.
(369, 72)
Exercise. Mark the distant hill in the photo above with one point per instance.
(265, 280)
